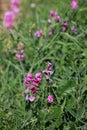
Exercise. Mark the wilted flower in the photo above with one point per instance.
(74, 4)
(49, 21)
(32, 5)
(26, 98)
(50, 98)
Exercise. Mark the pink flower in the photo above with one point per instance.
(74, 4)
(18, 51)
(38, 33)
(20, 57)
(48, 78)
(64, 26)
(15, 2)
(38, 76)
(31, 98)
(73, 28)
(15, 10)
(32, 87)
(49, 66)
(20, 45)
(57, 18)
(26, 91)
(35, 82)
(50, 98)
(8, 20)
(29, 77)
(50, 32)
(53, 13)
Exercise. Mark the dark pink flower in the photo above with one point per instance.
(53, 13)
(49, 66)
(64, 26)
(32, 87)
(48, 78)
(50, 98)
(29, 77)
(57, 18)
(20, 57)
(38, 76)
(35, 82)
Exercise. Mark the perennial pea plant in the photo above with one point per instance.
(43, 83)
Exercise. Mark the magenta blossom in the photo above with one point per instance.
(38, 76)
(74, 4)
(53, 13)
(50, 98)
(15, 9)
(15, 2)
(20, 57)
(31, 98)
(57, 18)
(64, 26)
(38, 33)
(8, 20)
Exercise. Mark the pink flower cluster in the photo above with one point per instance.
(48, 72)
(55, 16)
(38, 33)
(32, 85)
(74, 4)
(50, 99)
(64, 26)
(19, 52)
(74, 29)
(9, 16)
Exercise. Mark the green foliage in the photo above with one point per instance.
(68, 53)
